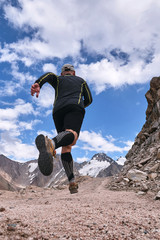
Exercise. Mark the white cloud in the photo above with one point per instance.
(21, 77)
(111, 138)
(49, 112)
(49, 67)
(7, 125)
(128, 145)
(20, 108)
(96, 142)
(105, 74)
(59, 32)
(60, 27)
(11, 128)
(46, 97)
(28, 125)
(13, 147)
(83, 159)
(50, 134)
(18, 82)
(121, 160)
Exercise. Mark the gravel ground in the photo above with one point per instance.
(95, 213)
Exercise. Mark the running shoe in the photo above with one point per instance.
(46, 153)
(73, 187)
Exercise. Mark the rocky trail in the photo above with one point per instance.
(94, 213)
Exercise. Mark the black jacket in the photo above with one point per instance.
(68, 90)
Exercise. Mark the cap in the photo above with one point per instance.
(67, 67)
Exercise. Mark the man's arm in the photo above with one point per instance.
(49, 77)
(87, 95)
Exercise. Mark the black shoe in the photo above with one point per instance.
(46, 153)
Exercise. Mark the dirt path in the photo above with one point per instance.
(93, 213)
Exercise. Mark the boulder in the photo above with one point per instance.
(136, 175)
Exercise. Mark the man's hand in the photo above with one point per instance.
(35, 89)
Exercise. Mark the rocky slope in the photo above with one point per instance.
(141, 170)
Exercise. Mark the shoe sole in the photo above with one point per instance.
(45, 159)
(73, 191)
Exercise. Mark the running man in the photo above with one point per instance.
(72, 96)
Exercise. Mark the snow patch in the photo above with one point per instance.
(52, 179)
(32, 178)
(93, 168)
(32, 167)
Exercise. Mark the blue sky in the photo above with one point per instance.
(114, 46)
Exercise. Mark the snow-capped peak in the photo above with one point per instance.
(102, 157)
(98, 162)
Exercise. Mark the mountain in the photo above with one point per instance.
(15, 175)
(24, 174)
(141, 170)
(100, 166)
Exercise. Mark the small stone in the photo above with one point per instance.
(141, 193)
(144, 187)
(11, 227)
(152, 176)
(2, 209)
(100, 228)
(30, 198)
(126, 180)
(157, 197)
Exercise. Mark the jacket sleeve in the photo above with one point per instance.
(49, 77)
(87, 95)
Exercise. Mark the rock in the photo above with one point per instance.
(144, 187)
(157, 197)
(126, 180)
(2, 209)
(155, 167)
(141, 193)
(11, 227)
(144, 161)
(136, 175)
(152, 176)
(158, 154)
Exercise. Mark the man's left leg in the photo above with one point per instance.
(47, 148)
(67, 162)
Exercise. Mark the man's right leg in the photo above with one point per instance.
(67, 162)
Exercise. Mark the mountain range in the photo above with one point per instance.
(16, 175)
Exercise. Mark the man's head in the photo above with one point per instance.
(67, 69)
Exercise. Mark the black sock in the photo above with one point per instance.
(67, 162)
(64, 138)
